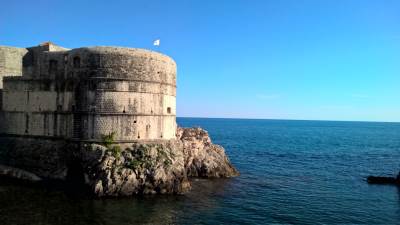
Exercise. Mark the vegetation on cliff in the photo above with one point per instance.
(112, 169)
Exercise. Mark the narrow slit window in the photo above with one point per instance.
(26, 123)
(169, 110)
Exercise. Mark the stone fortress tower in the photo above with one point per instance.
(85, 93)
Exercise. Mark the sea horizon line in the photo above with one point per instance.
(318, 120)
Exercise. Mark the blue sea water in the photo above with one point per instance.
(292, 172)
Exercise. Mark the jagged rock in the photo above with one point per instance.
(202, 157)
(11, 172)
(154, 168)
(45, 158)
(161, 167)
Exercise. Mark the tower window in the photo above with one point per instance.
(26, 123)
(169, 110)
(77, 62)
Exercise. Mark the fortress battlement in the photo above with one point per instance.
(86, 93)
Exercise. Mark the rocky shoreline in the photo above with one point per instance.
(110, 169)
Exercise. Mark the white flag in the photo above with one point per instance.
(156, 42)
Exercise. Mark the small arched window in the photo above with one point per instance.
(169, 110)
(77, 62)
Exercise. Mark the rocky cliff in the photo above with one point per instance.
(121, 170)
(202, 157)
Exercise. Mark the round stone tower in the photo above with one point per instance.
(87, 93)
(125, 91)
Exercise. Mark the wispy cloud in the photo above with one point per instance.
(268, 96)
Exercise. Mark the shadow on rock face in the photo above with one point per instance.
(75, 183)
(161, 167)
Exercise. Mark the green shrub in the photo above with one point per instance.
(116, 151)
(133, 164)
(108, 139)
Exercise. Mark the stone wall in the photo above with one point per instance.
(10, 62)
(31, 109)
(86, 93)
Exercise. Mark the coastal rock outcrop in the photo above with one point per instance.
(111, 169)
(47, 159)
(202, 157)
(153, 168)
(8, 171)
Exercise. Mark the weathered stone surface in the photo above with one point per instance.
(140, 169)
(45, 158)
(156, 168)
(121, 170)
(11, 172)
(202, 157)
(85, 93)
(10, 62)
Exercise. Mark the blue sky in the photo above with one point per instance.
(278, 59)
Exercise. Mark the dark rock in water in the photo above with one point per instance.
(161, 167)
(44, 157)
(384, 180)
(11, 172)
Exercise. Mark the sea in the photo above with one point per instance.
(292, 172)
